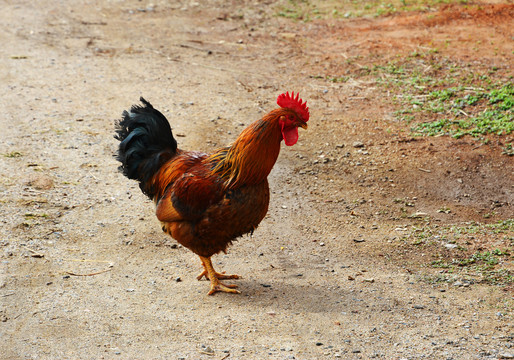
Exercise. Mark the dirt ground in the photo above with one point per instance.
(86, 272)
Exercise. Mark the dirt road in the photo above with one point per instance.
(331, 272)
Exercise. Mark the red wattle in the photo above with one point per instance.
(290, 135)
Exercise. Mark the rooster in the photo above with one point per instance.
(206, 201)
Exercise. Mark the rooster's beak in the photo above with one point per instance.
(303, 126)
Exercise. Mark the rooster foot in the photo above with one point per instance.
(217, 286)
(214, 277)
(220, 276)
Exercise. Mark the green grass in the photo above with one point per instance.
(493, 266)
(476, 113)
(306, 10)
(13, 154)
(448, 98)
(509, 149)
(482, 264)
(435, 95)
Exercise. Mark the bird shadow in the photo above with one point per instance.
(287, 294)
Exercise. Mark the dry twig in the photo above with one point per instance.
(90, 274)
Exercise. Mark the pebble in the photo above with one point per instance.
(358, 144)
(418, 307)
(207, 349)
(40, 182)
(506, 356)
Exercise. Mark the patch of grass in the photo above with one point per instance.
(306, 10)
(501, 226)
(297, 10)
(508, 149)
(32, 215)
(493, 265)
(448, 98)
(338, 79)
(13, 154)
(488, 259)
(464, 116)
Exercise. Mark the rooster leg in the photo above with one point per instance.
(216, 285)
(220, 276)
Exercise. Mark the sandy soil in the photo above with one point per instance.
(86, 272)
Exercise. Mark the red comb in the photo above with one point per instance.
(294, 103)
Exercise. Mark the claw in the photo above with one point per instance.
(219, 287)
(218, 275)
(214, 277)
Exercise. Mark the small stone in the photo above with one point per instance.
(40, 182)
(358, 144)
(287, 35)
(450, 246)
(319, 343)
(321, 244)
(178, 279)
(358, 240)
(418, 307)
(207, 350)
(506, 356)
(370, 280)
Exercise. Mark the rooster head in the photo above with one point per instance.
(290, 121)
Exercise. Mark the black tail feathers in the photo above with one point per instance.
(146, 143)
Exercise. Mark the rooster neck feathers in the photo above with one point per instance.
(249, 160)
